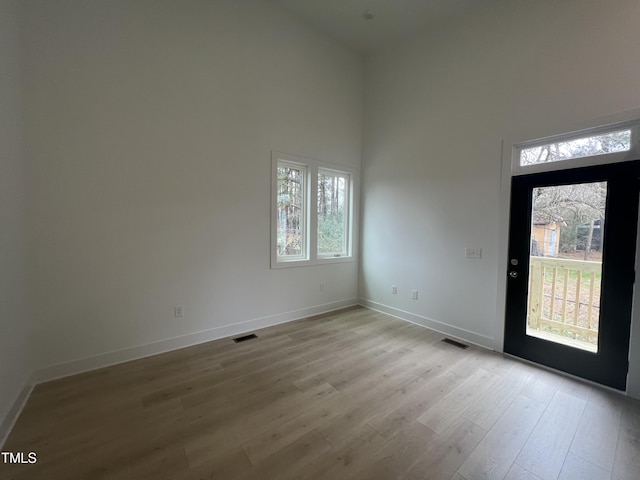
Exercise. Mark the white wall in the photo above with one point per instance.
(633, 380)
(150, 126)
(436, 111)
(15, 364)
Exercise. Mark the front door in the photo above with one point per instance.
(571, 270)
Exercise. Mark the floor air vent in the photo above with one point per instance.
(245, 338)
(454, 343)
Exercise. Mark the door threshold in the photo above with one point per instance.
(566, 375)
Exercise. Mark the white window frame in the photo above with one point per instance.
(310, 255)
(347, 220)
(304, 220)
(632, 154)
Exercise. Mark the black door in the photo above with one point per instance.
(571, 270)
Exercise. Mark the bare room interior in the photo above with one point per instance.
(319, 239)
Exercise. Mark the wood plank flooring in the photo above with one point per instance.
(352, 394)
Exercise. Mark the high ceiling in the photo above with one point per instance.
(393, 19)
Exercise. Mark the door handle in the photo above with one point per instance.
(513, 274)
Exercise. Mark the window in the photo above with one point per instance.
(611, 142)
(312, 212)
(290, 211)
(333, 213)
(598, 145)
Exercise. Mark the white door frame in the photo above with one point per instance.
(509, 149)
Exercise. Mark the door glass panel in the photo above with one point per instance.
(565, 263)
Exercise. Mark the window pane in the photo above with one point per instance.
(332, 214)
(290, 223)
(577, 148)
(565, 264)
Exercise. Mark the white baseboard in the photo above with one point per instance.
(12, 415)
(112, 358)
(120, 356)
(449, 330)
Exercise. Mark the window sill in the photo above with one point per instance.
(317, 261)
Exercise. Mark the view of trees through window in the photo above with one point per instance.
(576, 214)
(290, 211)
(332, 196)
(312, 212)
(577, 148)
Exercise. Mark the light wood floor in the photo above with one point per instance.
(354, 394)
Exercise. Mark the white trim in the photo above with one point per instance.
(632, 154)
(633, 376)
(95, 362)
(313, 166)
(10, 418)
(301, 163)
(348, 225)
(508, 158)
(440, 327)
(504, 206)
(133, 353)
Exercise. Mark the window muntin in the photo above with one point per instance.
(291, 231)
(598, 144)
(333, 213)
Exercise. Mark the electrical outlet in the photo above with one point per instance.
(474, 253)
(178, 311)
(321, 286)
(414, 294)
(394, 289)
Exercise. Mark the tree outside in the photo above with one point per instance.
(332, 215)
(577, 148)
(332, 201)
(579, 211)
(290, 211)
(564, 295)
